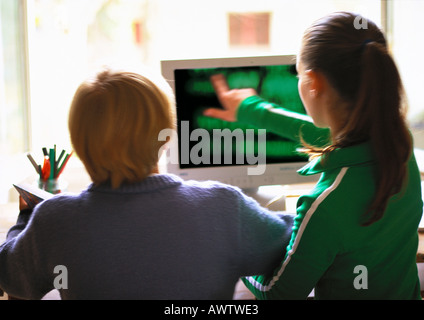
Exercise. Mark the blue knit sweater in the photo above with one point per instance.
(163, 238)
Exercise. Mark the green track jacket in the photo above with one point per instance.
(329, 250)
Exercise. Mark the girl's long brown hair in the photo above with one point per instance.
(352, 53)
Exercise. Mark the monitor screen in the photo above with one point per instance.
(206, 148)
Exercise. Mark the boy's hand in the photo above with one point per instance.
(22, 204)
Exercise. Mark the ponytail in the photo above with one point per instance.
(381, 101)
(360, 68)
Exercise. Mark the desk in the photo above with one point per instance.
(8, 215)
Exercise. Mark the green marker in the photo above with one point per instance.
(52, 164)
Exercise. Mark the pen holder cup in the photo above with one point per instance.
(53, 186)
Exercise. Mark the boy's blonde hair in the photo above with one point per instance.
(114, 123)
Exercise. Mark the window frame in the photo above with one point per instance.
(21, 66)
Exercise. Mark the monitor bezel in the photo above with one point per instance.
(275, 174)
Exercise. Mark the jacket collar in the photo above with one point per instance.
(356, 155)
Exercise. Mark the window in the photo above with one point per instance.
(13, 78)
(249, 29)
(72, 39)
(50, 46)
(405, 29)
(14, 98)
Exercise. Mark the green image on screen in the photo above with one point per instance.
(277, 84)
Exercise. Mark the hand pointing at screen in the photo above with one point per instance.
(229, 99)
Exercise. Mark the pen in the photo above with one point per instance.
(35, 165)
(61, 156)
(52, 164)
(46, 168)
(55, 163)
(62, 167)
(58, 162)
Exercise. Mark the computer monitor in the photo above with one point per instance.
(205, 148)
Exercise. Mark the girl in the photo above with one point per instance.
(355, 234)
